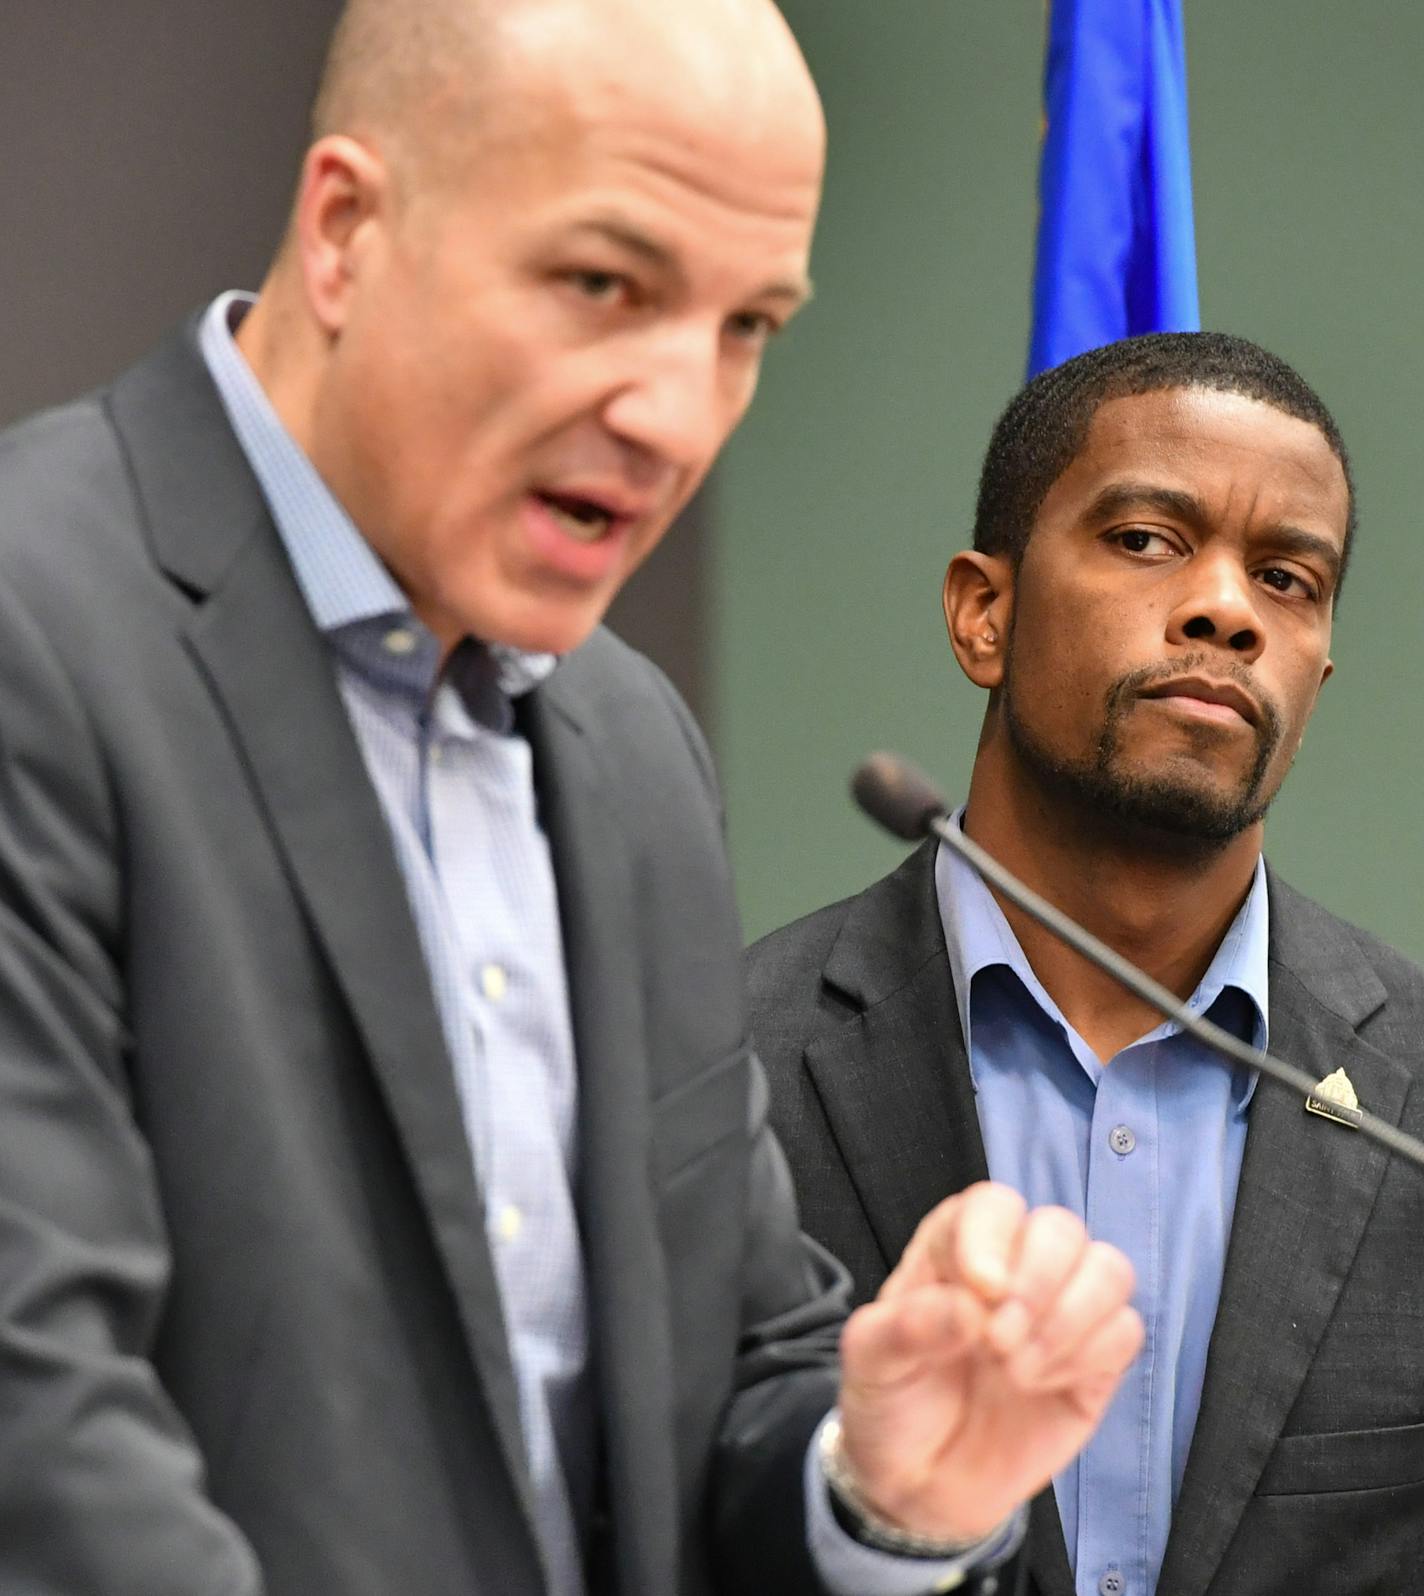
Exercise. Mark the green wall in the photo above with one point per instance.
(853, 479)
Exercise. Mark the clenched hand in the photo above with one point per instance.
(984, 1364)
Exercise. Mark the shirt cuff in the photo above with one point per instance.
(847, 1568)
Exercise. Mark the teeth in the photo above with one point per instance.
(586, 527)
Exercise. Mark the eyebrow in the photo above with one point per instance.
(1120, 496)
(1293, 540)
(1182, 506)
(636, 242)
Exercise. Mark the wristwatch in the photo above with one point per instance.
(856, 1516)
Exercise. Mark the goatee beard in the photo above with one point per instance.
(1167, 803)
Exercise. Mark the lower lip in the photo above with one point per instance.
(560, 552)
(1202, 709)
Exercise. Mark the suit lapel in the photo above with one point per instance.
(265, 665)
(626, 1280)
(1306, 1191)
(894, 1081)
(893, 1078)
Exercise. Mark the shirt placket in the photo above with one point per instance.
(492, 865)
(1124, 1208)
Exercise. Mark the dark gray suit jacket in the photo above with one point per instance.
(1306, 1471)
(249, 1333)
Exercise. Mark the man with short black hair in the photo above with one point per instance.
(1162, 529)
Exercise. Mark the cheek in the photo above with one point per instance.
(1049, 688)
(458, 444)
(445, 376)
(1298, 703)
(1059, 642)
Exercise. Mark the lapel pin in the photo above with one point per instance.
(1334, 1098)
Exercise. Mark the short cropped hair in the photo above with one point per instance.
(412, 73)
(1045, 426)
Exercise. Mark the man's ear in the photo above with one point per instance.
(978, 611)
(344, 193)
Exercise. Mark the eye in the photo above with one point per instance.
(598, 286)
(1141, 541)
(753, 326)
(1292, 583)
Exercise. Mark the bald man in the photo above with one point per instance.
(386, 1207)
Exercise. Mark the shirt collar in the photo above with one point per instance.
(977, 936)
(341, 577)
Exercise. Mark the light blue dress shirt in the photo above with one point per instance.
(456, 786)
(1146, 1150)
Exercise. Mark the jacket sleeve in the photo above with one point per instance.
(101, 1485)
(787, 1377)
(794, 1304)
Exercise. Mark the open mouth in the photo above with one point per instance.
(585, 520)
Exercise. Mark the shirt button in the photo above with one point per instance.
(1112, 1584)
(494, 983)
(400, 640)
(509, 1223)
(1122, 1141)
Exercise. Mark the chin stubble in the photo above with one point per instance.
(1164, 801)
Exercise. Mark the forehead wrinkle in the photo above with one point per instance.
(1275, 487)
(748, 175)
(740, 203)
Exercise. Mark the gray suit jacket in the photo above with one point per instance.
(249, 1333)
(1306, 1471)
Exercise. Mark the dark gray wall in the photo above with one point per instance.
(150, 147)
(148, 151)
(853, 482)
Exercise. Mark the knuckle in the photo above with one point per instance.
(940, 1219)
(1113, 1266)
(989, 1201)
(1058, 1228)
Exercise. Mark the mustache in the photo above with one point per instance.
(1147, 676)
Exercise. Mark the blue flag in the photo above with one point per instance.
(1116, 245)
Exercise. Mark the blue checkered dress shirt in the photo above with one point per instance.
(457, 789)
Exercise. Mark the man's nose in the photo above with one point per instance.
(677, 403)
(1219, 606)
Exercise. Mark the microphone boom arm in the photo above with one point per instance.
(911, 807)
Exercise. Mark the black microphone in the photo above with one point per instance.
(905, 801)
